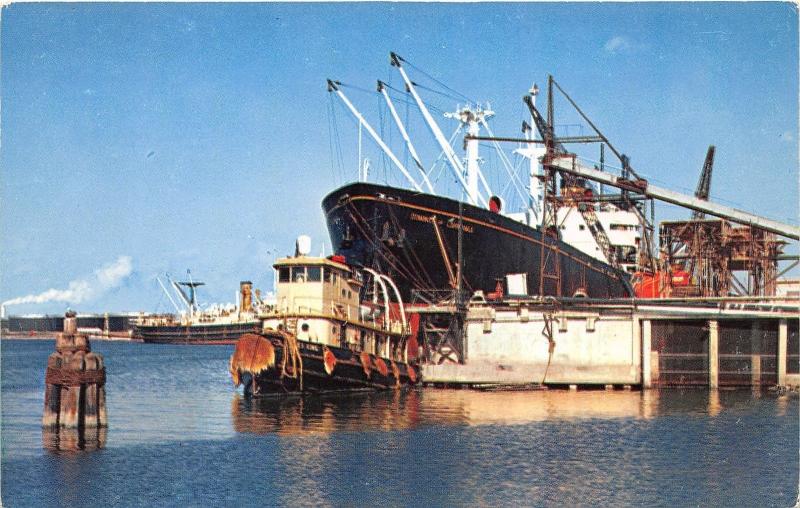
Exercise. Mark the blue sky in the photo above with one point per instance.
(198, 135)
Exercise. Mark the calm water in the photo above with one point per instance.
(180, 435)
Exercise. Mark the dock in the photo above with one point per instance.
(634, 343)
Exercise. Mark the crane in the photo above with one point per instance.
(586, 210)
(704, 184)
(570, 164)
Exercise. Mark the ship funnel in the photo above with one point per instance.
(246, 296)
(303, 245)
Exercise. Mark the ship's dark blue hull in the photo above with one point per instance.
(392, 229)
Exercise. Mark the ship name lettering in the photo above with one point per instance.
(450, 224)
(454, 225)
(421, 218)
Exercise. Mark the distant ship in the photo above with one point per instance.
(218, 325)
(417, 236)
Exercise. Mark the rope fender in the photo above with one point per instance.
(366, 363)
(380, 365)
(412, 374)
(329, 359)
(396, 373)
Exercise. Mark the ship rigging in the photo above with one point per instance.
(414, 235)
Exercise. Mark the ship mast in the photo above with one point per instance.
(533, 153)
(404, 133)
(333, 86)
(473, 120)
(449, 153)
(177, 309)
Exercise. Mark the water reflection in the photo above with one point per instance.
(408, 409)
(74, 440)
(714, 404)
(356, 412)
(519, 407)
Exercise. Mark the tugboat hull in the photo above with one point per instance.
(312, 368)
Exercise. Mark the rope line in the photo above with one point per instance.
(68, 377)
(436, 80)
(359, 219)
(291, 356)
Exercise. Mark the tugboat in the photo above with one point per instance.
(333, 328)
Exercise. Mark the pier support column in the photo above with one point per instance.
(647, 371)
(755, 350)
(713, 354)
(755, 370)
(783, 335)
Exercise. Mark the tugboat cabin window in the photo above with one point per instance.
(314, 274)
(283, 274)
(299, 273)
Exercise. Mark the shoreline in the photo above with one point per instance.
(33, 336)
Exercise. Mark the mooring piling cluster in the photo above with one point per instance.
(75, 379)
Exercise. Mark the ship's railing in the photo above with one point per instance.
(392, 326)
(157, 320)
(434, 296)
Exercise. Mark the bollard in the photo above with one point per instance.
(75, 379)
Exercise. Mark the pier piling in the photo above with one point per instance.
(713, 354)
(783, 335)
(645, 336)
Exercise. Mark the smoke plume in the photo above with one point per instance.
(105, 278)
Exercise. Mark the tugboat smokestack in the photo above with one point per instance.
(246, 293)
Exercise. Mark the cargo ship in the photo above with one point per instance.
(191, 325)
(431, 243)
(413, 237)
(334, 328)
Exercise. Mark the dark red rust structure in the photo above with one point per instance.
(722, 259)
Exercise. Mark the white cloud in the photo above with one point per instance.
(617, 44)
(787, 136)
(187, 25)
(105, 278)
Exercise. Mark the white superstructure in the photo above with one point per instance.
(622, 227)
